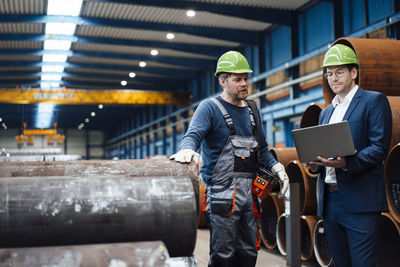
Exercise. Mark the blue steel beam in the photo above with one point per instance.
(269, 15)
(35, 82)
(196, 63)
(129, 86)
(208, 50)
(233, 35)
(178, 73)
(67, 74)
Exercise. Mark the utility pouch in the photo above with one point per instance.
(245, 155)
(222, 202)
(221, 206)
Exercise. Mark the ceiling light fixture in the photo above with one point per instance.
(190, 13)
(132, 74)
(100, 106)
(93, 114)
(154, 52)
(170, 36)
(124, 83)
(142, 64)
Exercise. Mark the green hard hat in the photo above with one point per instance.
(340, 55)
(232, 62)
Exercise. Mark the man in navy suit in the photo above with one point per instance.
(352, 189)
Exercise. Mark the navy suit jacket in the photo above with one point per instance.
(361, 184)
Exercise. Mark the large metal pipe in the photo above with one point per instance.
(392, 181)
(394, 102)
(152, 254)
(281, 234)
(310, 116)
(271, 209)
(83, 168)
(284, 154)
(379, 69)
(50, 211)
(321, 248)
(388, 241)
(202, 220)
(307, 225)
(308, 183)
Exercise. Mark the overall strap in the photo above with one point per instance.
(253, 124)
(227, 117)
(255, 119)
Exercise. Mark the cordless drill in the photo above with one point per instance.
(263, 183)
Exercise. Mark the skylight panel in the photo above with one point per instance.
(52, 68)
(51, 77)
(57, 45)
(54, 58)
(64, 7)
(60, 28)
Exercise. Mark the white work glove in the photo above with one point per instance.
(279, 170)
(185, 156)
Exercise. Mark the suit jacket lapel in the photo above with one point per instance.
(328, 114)
(353, 104)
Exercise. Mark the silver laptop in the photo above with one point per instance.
(328, 140)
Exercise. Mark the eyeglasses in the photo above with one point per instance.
(338, 74)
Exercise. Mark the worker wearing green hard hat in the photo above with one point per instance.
(351, 188)
(234, 147)
(232, 62)
(340, 54)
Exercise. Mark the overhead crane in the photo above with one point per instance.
(93, 97)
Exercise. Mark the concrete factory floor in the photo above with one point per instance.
(266, 258)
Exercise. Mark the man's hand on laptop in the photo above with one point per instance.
(339, 162)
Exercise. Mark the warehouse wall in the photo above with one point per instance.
(87, 143)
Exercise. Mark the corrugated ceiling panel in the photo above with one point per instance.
(168, 15)
(21, 28)
(20, 58)
(19, 77)
(100, 60)
(133, 50)
(91, 79)
(282, 4)
(10, 68)
(116, 72)
(22, 6)
(21, 45)
(121, 33)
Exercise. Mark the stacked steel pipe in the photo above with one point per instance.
(103, 255)
(271, 209)
(308, 205)
(392, 181)
(321, 249)
(99, 202)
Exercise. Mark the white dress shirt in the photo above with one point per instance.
(337, 116)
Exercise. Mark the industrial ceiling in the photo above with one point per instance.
(111, 43)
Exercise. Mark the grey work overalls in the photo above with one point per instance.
(230, 208)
